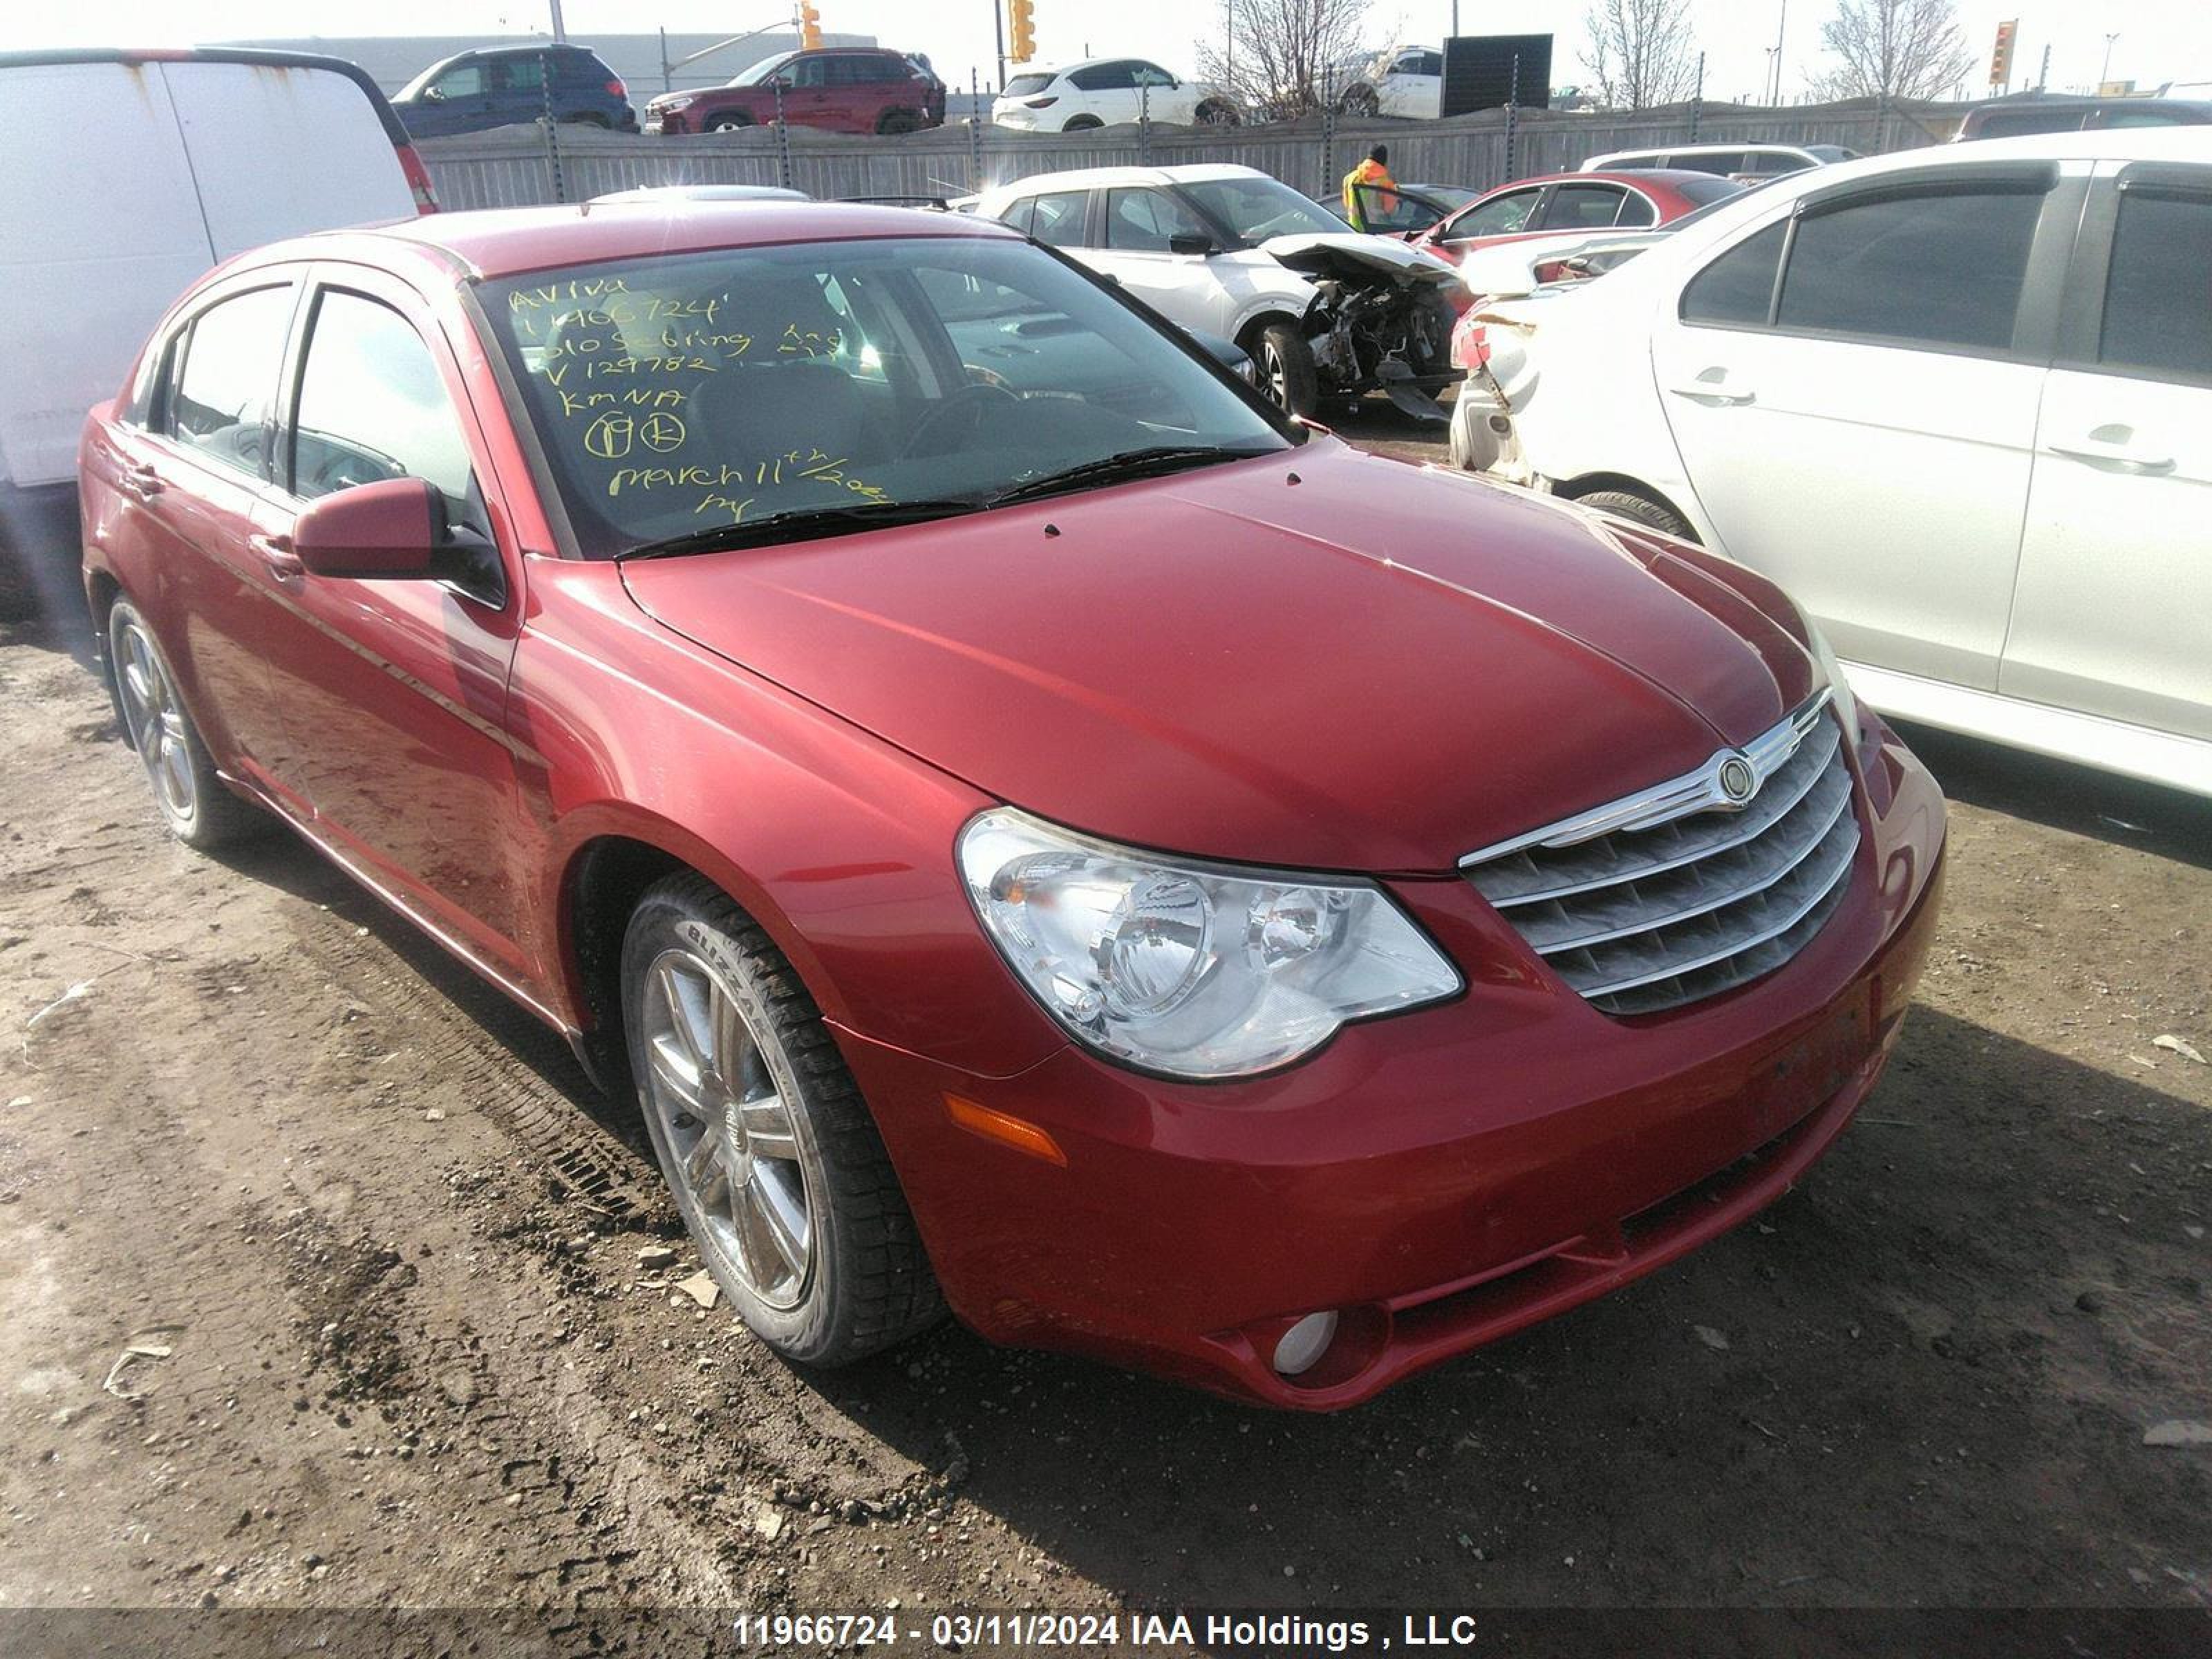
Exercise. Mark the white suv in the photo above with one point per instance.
(1957, 401)
(1107, 92)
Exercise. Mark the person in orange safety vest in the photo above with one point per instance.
(1374, 171)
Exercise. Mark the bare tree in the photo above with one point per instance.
(1640, 52)
(1278, 56)
(1894, 49)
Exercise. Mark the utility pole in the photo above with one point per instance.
(2043, 75)
(1454, 16)
(560, 29)
(998, 28)
(2104, 73)
(1781, 24)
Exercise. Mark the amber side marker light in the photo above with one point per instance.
(1006, 1131)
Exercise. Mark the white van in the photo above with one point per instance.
(128, 175)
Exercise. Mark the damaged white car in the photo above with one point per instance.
(1326, 313)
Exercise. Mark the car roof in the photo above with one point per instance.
(1086, 178)
(1713, 149)
(2161, 143)
(508, 241)
(1085, 63)
(1674, 176)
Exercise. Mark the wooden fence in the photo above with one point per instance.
(518, 165)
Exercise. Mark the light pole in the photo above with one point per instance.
(1781, 23)
(559, 31)
(2104, 73)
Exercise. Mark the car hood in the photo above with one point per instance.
(1318, 659)
(1354, 257)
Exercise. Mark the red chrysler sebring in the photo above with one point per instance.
(1039, 834)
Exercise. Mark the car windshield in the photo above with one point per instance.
(698, 393)
(753, 74)
(1257, 208)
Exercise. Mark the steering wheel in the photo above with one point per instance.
(965, 404)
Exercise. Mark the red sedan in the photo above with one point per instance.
(1567, 205)
(1070, 847)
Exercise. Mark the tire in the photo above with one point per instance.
(1218, 115)
(736, 121)
(586, 119)
(893, 122)
(803, 1223)
(1361, 101)
(1639, 508)
(1287, 376)
(193, 801)
(1083, 124)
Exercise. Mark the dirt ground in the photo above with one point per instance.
(378, 1246)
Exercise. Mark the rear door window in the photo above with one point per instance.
(1058, 220)
(1582, 207)
(2158, 296)
(1104, 78)
(226, 386)
(1737, 289)
(1938, 267)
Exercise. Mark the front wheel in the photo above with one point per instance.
(1361, 101)
(1287, 374)
(763, 1135)
(199, 809)
(729, 123)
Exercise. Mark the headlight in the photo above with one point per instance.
(668, 105)
(1192, 970)
(1847, 707)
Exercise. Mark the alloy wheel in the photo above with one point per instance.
(722, 1098)
(156, 718)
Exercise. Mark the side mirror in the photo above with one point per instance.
(1194, 243)
(386, 531)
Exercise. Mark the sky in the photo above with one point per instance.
(2158, 41)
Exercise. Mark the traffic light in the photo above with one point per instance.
(2001, 59)
(1024, 21)
(810, 27)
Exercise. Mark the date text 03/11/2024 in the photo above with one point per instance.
(1253, 1632)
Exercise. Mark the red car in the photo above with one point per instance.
(1073, 847)
(837, 90)
(1572, 204)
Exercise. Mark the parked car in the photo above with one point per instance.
(1405, 81)
(1557, 206)
(505, 86)
(1107, 92)
(1747, 162)
(865, 90)
(1161, 884)
(2025, 113)
(1324, 310)
(1404, 210)
(179, 149)
(1968, 420)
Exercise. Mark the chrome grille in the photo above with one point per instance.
(1685, 890)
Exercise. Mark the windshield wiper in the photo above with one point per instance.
(1146, 463)
(802, 524)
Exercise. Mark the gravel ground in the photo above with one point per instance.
(326, 1282)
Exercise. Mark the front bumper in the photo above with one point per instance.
(1441, 1178)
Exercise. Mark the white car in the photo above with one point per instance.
(1229, 252)
(1107, 92)
(1957, 401)
(1747, 161)
(1406, 80)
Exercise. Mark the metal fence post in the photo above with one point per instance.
(552, 136)
(782, 139)
(1698, 103)
(975, 134)
(1144, 125)
(1328, 133)
(1512, 108)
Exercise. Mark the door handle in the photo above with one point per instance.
(141, 482)
(276, 553)
(2115, 452)
(1712, 388)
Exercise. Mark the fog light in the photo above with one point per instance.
(1304, 1343)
